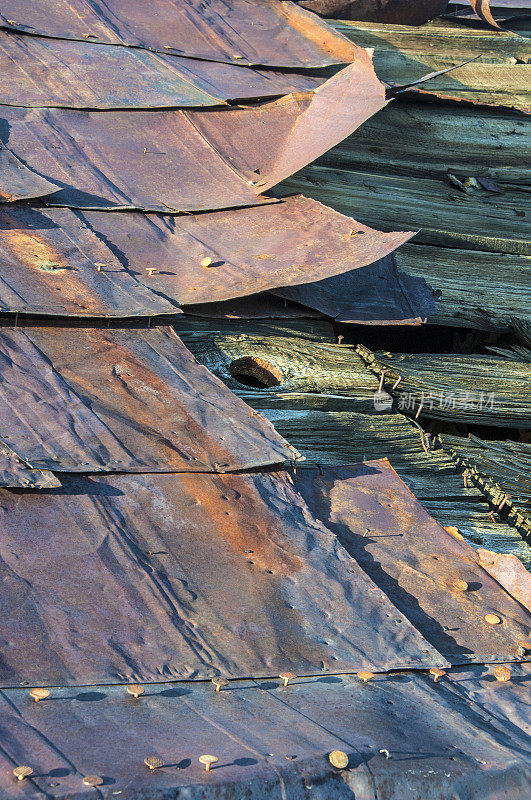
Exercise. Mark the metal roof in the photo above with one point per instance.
(192, 576)
(404, 736)
(189, 160)
(416, 562)
(89, 399)
(35, 71)
(269, 32)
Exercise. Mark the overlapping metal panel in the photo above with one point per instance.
(192, 576)
(510, 573)
(188, 160)
(379, 294)
(35, 71)
(57, 261)
(17, 181)
(251, 249)
(16, 474)
(435, 579)
(404, 737)
(88, 399)
(53, 263)
(268, 32)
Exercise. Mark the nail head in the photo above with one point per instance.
(492, 619)
(153, 762)
(502, 673)
(39, 694)
(338, 759)
(22, 772)
(135, 689)
(92, 780)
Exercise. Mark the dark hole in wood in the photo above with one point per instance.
(256, 372)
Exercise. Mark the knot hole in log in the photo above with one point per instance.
(256, 372)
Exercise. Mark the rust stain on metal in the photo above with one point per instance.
(241, 580)
(509, 571)
(414, 561)
(231, 155)
(271, 33)
(115, 400)
(35, 71)
(249, 250)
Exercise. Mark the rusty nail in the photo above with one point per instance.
(367, 530)
(365, 675)
(22, 772)
(460, 585)
(395, 384)
(93, 780)
(419, 409)
(287, 677)
(219, 683)
(502, 674)
(504, 500)
(437, 673)
(206, 262)
(150, 271)
(491, 515)
(339, 340)
(385, 753)
(338, 759)
(135, 689)
(153, 762)
(492, 619)
(207, 761)
(382, 377)
(523, 647)
(465, 479)
(39, 694)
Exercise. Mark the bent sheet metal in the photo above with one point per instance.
(35, 71)
(87, 399)
(436, 580)
(53, 263)
(250, 250)
(192, 575)
(403, 736)
(186, 160)
(15, 473)
(270, 33)
(17, 181)
(379, 294)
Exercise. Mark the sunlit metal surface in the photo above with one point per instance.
(192, 576)
(88, 399)
(416, 562)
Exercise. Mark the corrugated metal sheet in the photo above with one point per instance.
(415, 561)
(53, 263)
(17, 181)
(403, 12)
(192, 576)
(456, 738)
(88, 399)
(35, 71)
(379, 294)
(16, 474)
(269, 32)
(190, 160)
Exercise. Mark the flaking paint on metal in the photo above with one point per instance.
(231, 155)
